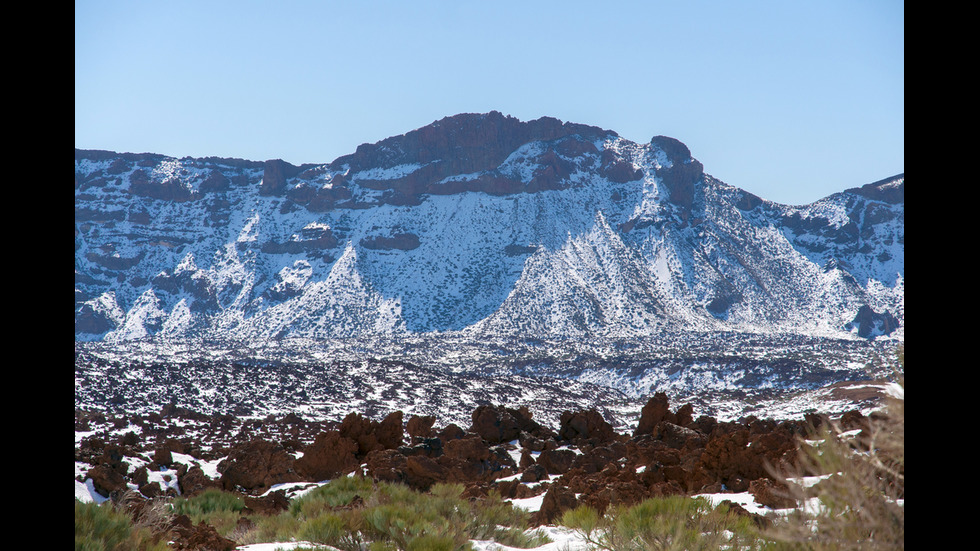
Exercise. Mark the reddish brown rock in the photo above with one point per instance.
(534, 473)
(556, 501)
(186, 536)
(598, 458)
(615, 493)
(451, 431)
(557, 461)
(678, 437)
(657, 409)
(420, 426)
(371, 435)
(195, 481)
(162, 457)
(527, 459)
(726, 455)
(853, 420)
(587, 425)
(497, 424)
(771, 494)
(421, 472)
(106, 480)
(257, 465)
(685, 415)
(275, 175)
(329, 456)
(386, 465)
(271, 504)
(467, 449)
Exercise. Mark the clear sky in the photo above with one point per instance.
(789, 100)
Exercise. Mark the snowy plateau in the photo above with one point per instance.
(479, 259)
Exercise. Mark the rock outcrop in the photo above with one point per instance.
(584, 461)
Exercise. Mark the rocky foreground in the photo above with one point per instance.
(581, 461)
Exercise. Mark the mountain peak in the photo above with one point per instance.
(486, 152)
(889, 190)
(468, 142)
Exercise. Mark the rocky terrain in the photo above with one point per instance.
(158, 422)
(581, 459)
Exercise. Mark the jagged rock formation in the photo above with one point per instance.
(478, 224)
(580, 460)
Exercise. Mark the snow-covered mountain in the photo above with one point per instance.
(480, 226)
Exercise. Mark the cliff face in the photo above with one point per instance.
(477, 223)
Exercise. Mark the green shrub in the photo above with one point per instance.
(104, 528)
(213, 506)
(411, 525)
(860, 503)
(394, 516)
(337, 493)
(209, 501)
(673, 523)
(271, 528)
(327, 529)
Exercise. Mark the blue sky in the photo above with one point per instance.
(789, 100)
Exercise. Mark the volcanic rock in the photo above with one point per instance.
(257, 465)
(586, 425)
(329, 456)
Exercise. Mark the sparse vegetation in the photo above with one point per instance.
(354, 513)
(216, 507)
(848, 487)
(673, 523)
(108, 528)
(859, 501)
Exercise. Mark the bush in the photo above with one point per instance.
(338, 493)
(859, 503)
(355, 513)
(327, 529)
(282, 527)
(672, 523)
(105, 528)
(216, 507)
(209, 501)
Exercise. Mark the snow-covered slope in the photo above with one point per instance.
(478, 224)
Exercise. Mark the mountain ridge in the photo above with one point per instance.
(480, 224)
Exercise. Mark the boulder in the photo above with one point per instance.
(257, 465)
(106, 480)
(771, 494)
(329, 456)
(677, 436)
(555, 502)
(588, 425)
(467, 449)
(657, 409)
(186, 536)
(557, 461)
(496, 424)
(420, 426)
(272, 503)
(386, 465)
(371, 435)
